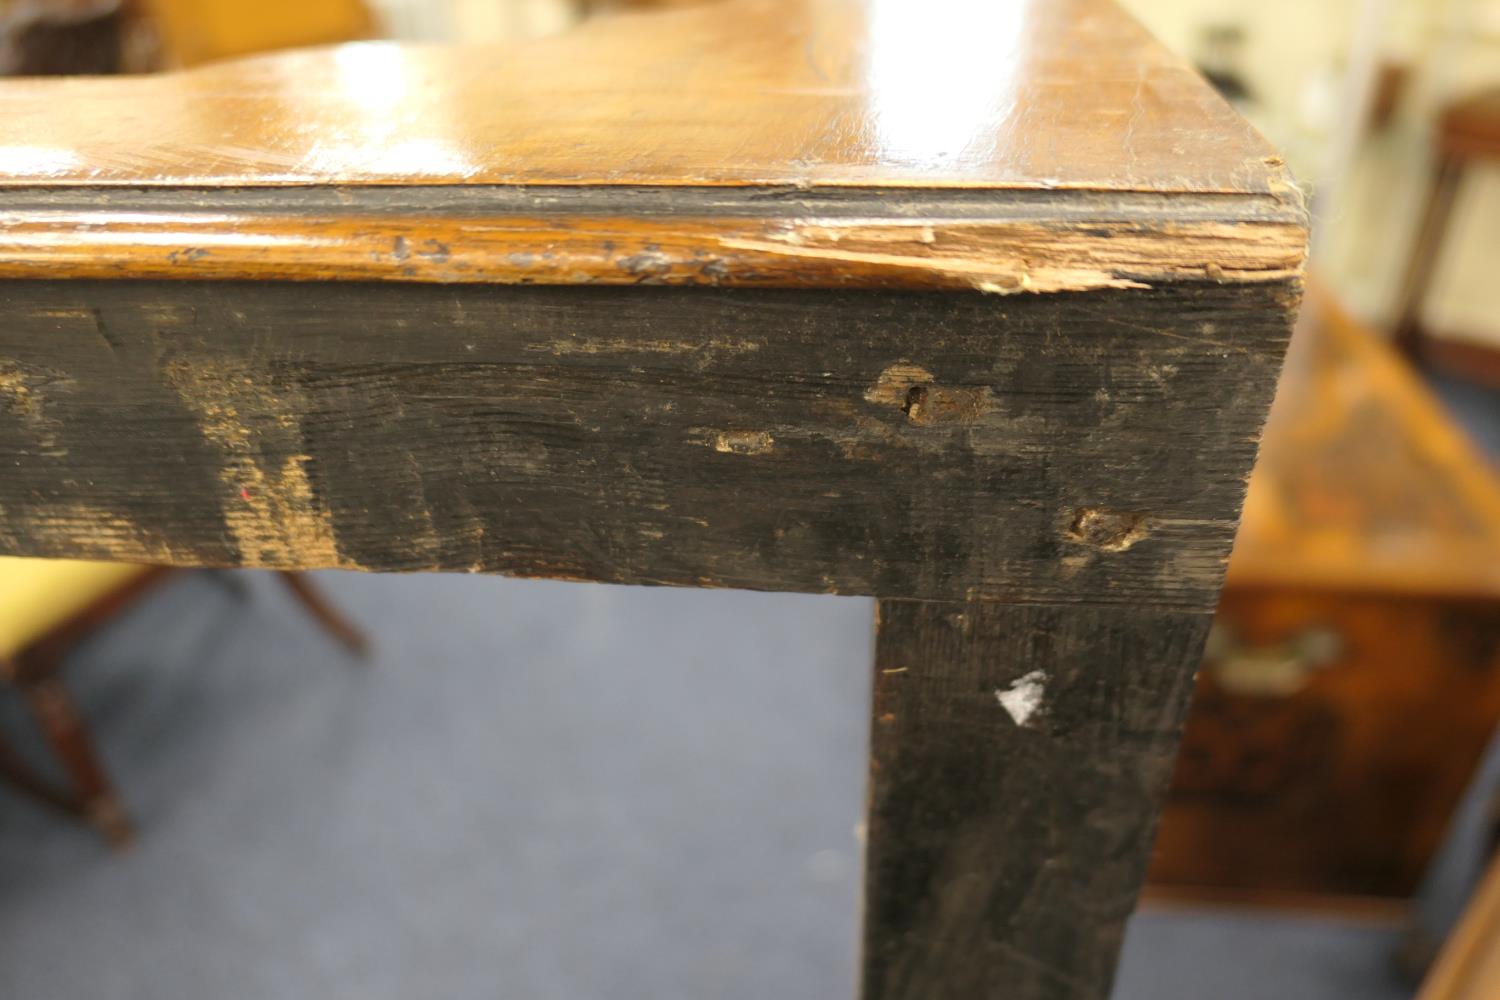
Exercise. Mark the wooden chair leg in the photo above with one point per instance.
(15, 772)
(63, 726)
(326, 615)
(1424, 257)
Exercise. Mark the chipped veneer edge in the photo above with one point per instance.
(990, 255)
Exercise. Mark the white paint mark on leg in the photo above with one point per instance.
(1023, 698)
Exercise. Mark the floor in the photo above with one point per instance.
(531, 790)
(1475, 407)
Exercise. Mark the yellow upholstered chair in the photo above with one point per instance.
(46, 605)
(199, 31)
(36, 595)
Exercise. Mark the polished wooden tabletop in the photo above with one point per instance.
(1021, 147)
(939, 94)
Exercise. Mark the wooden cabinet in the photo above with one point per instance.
(1353, 679)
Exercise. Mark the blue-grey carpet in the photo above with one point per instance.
(532, 790)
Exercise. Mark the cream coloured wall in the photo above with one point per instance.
(1297, 55)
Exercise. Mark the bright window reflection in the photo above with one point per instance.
(375, 82)
(928, 102)
(415, 157)
(37, 161)
(372, 74)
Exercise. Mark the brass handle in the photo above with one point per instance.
(1273, 670)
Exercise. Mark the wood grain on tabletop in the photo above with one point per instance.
(1364, 482)
(867, 133)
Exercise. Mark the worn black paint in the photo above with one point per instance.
(574, 431)
(1004, 857)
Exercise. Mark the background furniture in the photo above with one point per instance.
(1355, 680)
(60, 37)
(46, 605)
(1468, 133)
(192, 32)
(91, 37)
(640, 304)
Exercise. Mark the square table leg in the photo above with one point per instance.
(1019, 757)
